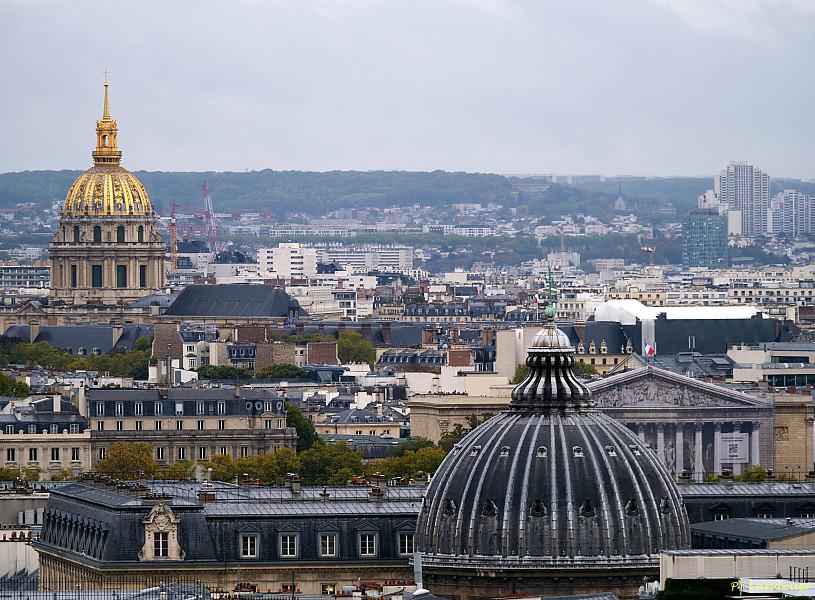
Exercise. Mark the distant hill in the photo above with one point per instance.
(317, 193)
(280, 191)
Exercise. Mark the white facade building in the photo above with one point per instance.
(287, 260)
(368, 257)
(745, 188)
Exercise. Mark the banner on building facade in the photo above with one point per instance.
(735, 448)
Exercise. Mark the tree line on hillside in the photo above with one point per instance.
(280, 192)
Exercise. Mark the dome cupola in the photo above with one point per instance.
(107, 189)
(548, 491)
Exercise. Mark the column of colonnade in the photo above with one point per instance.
(681, 456)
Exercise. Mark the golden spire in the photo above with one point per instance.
(106, 107)
(107, 153)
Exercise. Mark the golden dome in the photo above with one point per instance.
(107, 189)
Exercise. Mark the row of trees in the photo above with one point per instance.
(275, 371)
(133, 363)
(322, 464)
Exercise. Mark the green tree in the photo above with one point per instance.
(128, 460)
(63, 475)
(271, 467)
(223, 467)
(521, 371)
(756, 474)
(412, 445)
(282, 371)
(306, 434)
(409, 464)
(324, 464)
(353, 348)
(223, 372)
(11, 387)
(179, 471)
(452, 437)
(8, 474)
(583, 369)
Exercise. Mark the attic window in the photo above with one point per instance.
(537, 509)
(449, 507)
(489, 509)
(587, 509)
(542, 452)
(611, 451)
(635, 450)
(632, 509)
(475, 451)
(504, 451)
(577, 451)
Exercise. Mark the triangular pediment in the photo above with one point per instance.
(31, 309)
(658, 388)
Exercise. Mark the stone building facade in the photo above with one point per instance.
(187, 424)
(227, 537)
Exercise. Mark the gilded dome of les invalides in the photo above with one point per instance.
(107, 189)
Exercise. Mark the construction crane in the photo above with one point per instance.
(210, 223)
(173, 228)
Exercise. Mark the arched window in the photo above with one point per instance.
(141, 233)
(120, 234)
(76, 234)
(105, 141)
(97, 235)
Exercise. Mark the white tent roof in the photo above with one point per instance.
(626, 312)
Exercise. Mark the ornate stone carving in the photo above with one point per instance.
(658, 392)
(782, 434)
(161, 535)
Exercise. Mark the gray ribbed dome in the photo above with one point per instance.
(551, 337)
(550, 484)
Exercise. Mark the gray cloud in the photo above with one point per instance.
(647, 87)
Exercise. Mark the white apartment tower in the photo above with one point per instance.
(287, 260)
(744, 188)
(792, 214)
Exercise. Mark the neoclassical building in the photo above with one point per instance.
(107, 251)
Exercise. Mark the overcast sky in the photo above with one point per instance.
(649, 87)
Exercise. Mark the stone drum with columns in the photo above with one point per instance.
(550, 497)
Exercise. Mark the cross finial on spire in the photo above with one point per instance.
(106, 107)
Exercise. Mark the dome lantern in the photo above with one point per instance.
(107, 151)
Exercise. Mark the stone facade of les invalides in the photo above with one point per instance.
(107, 258)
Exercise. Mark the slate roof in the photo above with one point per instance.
(708, 490)
(695, 364)
(234, 300)
(354, 415)
(766, 530)
(83, 336)
(162, 300)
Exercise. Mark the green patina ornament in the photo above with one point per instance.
(549, 311)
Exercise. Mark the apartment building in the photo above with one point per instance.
(187, 424)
